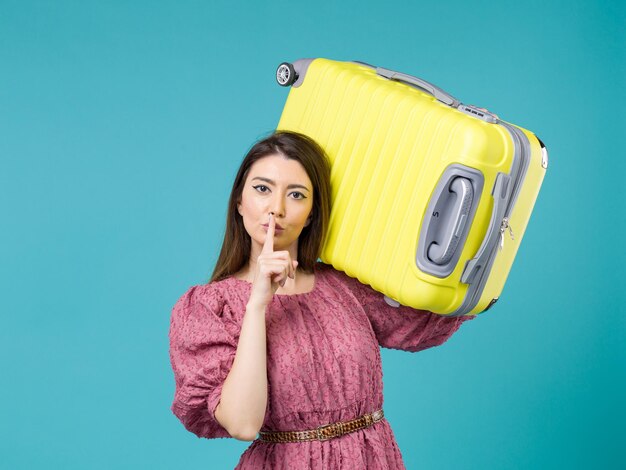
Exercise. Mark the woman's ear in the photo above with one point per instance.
(308, 221)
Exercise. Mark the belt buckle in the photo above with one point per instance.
(321, 437)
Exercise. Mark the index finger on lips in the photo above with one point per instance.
(268, 246)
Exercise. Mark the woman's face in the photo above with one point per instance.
(280, 186)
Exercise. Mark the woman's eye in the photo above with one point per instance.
(261, 188)
(298, 195)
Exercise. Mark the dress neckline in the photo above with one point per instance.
(314, 289)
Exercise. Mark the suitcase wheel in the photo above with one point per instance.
(286, 74)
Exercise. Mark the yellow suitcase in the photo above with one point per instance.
(430, 197)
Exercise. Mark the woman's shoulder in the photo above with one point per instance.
(338, 280)
(329, 271)
(202, 316)
(210, 296)
(213, 289)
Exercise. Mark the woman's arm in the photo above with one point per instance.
(402, 327)
(243, 401)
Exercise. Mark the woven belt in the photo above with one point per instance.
(323, 433)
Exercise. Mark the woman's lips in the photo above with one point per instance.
(277, 227)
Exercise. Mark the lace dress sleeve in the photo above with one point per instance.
(403, 328)
(202, 351)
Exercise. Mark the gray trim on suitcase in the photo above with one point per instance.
(301, 66)
(505, 192)
(475, 266)
(523, 162)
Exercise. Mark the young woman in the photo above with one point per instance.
(282, 345)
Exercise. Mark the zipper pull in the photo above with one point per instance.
(503, 226)
(511, 233)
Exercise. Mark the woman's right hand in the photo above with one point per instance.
(272, 269)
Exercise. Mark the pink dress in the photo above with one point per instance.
(323, 362)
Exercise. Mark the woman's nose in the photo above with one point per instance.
(277, 207)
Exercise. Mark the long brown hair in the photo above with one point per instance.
(235, 252)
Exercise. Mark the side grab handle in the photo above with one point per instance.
(448, 219)
(440, 251)
(438, 93)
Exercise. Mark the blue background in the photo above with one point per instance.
(121, 127)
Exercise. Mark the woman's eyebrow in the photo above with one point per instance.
(289, 186)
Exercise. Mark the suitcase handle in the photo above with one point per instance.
(441, 250)
(448, 219)
(444, 97)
